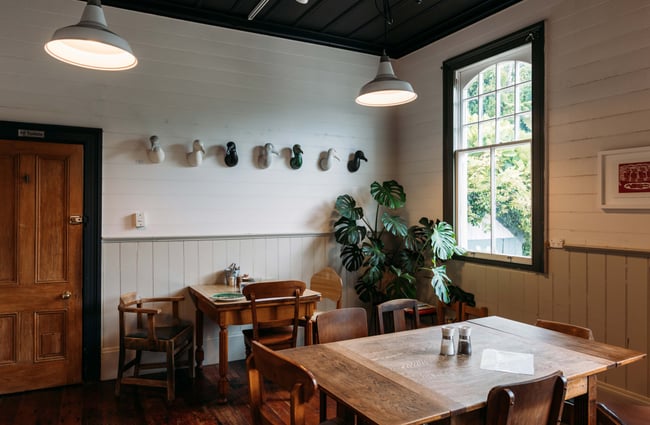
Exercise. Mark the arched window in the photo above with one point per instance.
(494, 150)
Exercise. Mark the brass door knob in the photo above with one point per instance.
(66, 294)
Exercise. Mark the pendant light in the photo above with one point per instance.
(90, 44)
(386, 89)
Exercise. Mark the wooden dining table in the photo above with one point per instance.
(238, 312)
(401, 379)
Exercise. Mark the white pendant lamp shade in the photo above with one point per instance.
(386, 89)
(90, 44)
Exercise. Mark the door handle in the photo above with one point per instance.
(66, 294)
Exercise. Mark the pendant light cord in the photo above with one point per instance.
(387, 16)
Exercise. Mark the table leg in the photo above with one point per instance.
(309, 331)
(585, 405)
(199, 354)
(223, 364)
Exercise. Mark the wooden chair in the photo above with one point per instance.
(566, 328)
(342, 324)
(443, 310)
(534, 402)
(425, 310)
(270, 331)
(339, 325)
(330, 286)
(173, 338)
(263, 364)
(468, 312)
(397, 308)
(610, 410)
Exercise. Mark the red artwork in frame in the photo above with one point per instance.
(634, 177)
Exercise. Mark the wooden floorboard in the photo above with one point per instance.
(95, 403)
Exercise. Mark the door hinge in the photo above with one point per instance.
(77, 219)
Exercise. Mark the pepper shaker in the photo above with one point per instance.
(464, 341)
(447, 343)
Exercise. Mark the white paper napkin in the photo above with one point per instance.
(507, 361)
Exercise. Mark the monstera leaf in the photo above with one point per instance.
(347, 207)
(347, 232)
(394, 224)
(352, 257)
(389, 194)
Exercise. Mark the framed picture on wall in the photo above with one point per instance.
(624, 179)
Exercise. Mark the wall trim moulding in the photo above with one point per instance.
(212, 238)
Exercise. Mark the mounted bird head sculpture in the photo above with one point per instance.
(231, 158)
(325, 163)
(296, 157)
(156, 154)
(265, 158)
(355, 162)
(195, 157)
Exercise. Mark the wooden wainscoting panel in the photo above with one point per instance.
(577, 288)
(638, 318)
(615, 330)
(596, 295)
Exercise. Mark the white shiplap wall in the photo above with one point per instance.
(201, 82)
(597, 85)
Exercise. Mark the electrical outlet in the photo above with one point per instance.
(556, 243)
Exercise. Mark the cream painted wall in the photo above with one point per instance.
(597, 85)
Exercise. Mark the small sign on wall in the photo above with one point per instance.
(624, 179)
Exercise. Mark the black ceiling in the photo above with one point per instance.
(356, 25)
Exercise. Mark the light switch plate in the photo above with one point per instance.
(139, 219)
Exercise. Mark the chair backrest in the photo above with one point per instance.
(469, 312)
(566, 328)
(396, 308)
(442, 310)
(147, 318)
(604, 416)
(341, 324)
(264, 292)
(329, 284)
(264, 363)
(535, 402)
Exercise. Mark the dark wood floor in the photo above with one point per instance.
(95, 403)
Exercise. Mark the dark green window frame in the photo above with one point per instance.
(533, 35)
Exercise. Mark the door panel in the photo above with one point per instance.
(8, 220)
(40, 308)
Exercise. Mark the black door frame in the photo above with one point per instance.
(91, 139)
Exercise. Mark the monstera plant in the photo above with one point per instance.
(387, 252)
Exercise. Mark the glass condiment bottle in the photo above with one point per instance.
(447, 342)
(464, 341)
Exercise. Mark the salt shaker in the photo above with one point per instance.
(464, 341)
(447, 343)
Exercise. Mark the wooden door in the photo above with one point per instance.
(41, 187)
